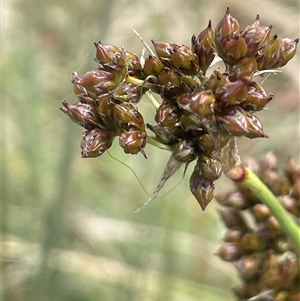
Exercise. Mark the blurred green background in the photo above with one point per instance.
(69, 228)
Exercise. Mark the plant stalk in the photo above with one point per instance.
(248, 178)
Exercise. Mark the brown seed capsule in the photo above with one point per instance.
(97, 81)
(281, 245)
(82, 114)
(232, 93)
(240, 291)
(206, 144)
(233, 235)
(234, 49)
(169, 77)
(200, 103)
(126, 116)
(216, 80)
(256, 98)
(105, 109)
(230, 251)
(249, 266)
(290, 204)
(168, 113)
(203, 47)
(292, 170)
(184, 151)
(264, 232)
(251, 242)
(133, 142)
(152, 66)
(246, 67)
(232, 218)
(237, 200)
(294, 296)
(234, 121)
(256, 37)
(226, 28)
(176, 56)
(210, 167)
(269, 55)
(133, 64)
(255, 128)
(127, 92)
(105, 53)
(200, 188)
(261, 212)
(295, 191)
(95, 142)
(287, 51)
(185, 60)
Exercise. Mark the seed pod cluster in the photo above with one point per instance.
(198, 113)
(265, 259)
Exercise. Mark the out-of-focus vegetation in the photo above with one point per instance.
(69, 228)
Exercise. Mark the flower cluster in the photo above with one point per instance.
(264, 257)
(197, 114)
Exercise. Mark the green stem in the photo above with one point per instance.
(135, 81)
(248, 178)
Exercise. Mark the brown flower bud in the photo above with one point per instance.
(230, 251)
(95, 142)
(168, 113)
(133, 142)
(82, 114)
